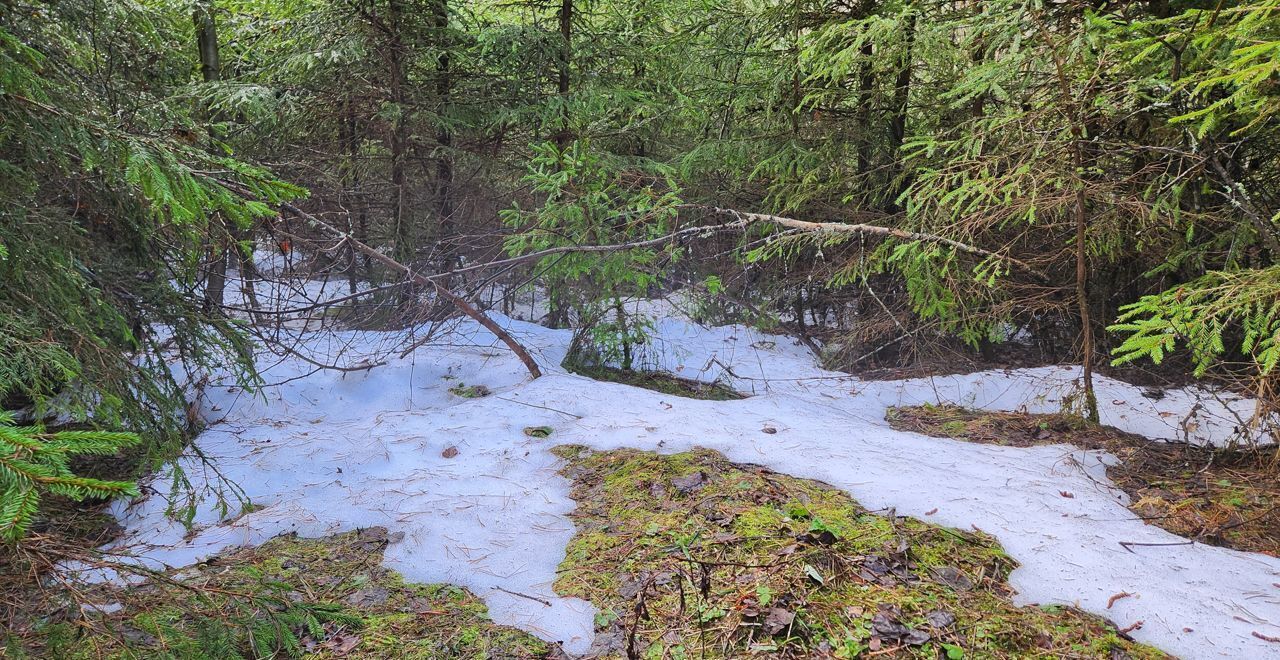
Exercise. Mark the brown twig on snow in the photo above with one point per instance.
(1129, 545)
(532, 598)
(1112, 600)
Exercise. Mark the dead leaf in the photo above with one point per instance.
(1136, 625)
(690, 483)
(952, 577)
(1266, 638)
(940, 619)
(769, 429)
(885, 624)
(777, 619)
(341, 644)
(932, 511)
(1067, 494)
(371, 597)
(449, 452)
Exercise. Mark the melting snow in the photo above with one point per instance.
(326, 451)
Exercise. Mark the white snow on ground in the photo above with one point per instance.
(332, 451)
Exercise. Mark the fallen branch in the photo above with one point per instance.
(742, 220)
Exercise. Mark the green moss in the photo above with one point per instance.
(469, 391)
(693, 566)
(291, 597)
(659, 381)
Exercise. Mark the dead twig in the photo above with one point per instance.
(1129, 545)
(532, 598)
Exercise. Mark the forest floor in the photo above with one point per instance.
(322, 598)
(1228, 497)
(774, 496)
(683, 555)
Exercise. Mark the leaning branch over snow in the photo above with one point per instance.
(457, 300)
(746, 218)
(742, 220)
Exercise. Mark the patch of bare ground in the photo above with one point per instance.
(1226, 497)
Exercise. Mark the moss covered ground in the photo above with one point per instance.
(659, 381)
(291, 597)
(688, 555)
(684, 555)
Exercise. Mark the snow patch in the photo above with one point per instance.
(323, 452)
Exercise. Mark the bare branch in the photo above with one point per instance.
(746, 218)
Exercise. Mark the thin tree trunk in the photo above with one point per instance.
(1082, 300)
(397, 141)
(444, 137)
(866, 81)
(1080, 211)
(563, 137)
(795, 69)
(901, 103)
(361, 225)
(211, 71)
(346, 137)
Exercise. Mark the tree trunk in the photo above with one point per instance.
(563, 137)
(1078, 136)
(901, 103)
(397, 141)
(351, 181)
(1082, 301)
(211, 71)
(866, 94)
(360, 228)
(444, 137)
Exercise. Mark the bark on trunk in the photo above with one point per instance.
(563, 137)
(901, 103)
(444, 138)
(397, 140)
(211, 71)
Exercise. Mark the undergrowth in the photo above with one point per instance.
(688, 555)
